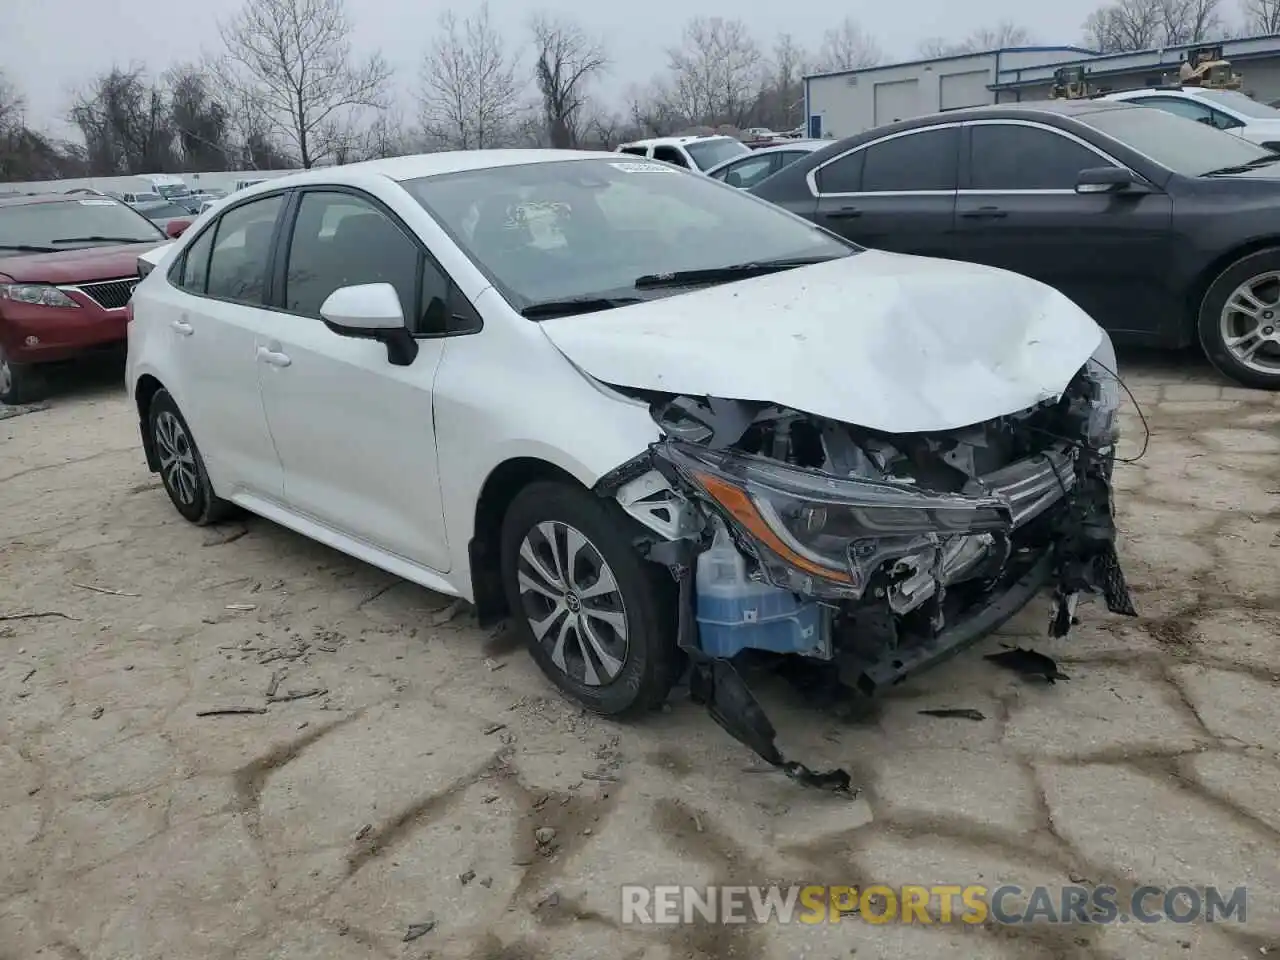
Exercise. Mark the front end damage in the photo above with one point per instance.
(877, 555)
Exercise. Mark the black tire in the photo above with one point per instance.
(192, 495)
(20, 382)
(1209, 325)
(651, 662)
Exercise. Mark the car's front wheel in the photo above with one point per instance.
(597, 617)
(19, 382)
(181, 467)
(1239, 324)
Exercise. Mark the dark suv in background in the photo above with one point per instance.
(68, 265)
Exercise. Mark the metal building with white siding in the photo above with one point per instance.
(842, 104)
(849, 102)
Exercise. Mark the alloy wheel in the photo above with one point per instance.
(177, 458)
(572, 602)
(1250, 323)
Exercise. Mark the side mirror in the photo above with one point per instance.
(1106, 180)
(176, 228)
(371, 311)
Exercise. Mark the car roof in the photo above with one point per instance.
(22, 200)
(421, 165)
(809, 146)
(677, 141)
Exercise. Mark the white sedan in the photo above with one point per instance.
(652, 418)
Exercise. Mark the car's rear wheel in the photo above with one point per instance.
(19, 382)
(597, 618)
(182, 468)
(1239, 324)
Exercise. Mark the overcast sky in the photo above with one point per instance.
(55, 45)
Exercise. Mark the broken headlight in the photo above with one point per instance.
(1104, 396)
(807, 526)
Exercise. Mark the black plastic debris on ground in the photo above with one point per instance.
(1028, 663)
(955, 713)
(8, 411)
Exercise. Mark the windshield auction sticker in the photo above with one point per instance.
(631, 166)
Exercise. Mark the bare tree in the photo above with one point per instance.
(1261, 16)
(468, 98)
(652, 110)
(847, 46)
(1191, 21)
(715, 71)
(567, 60)
(126, 123)
(1004, 34)
(293, 58)
(200, 120)
(782, 92)
(1145, 24)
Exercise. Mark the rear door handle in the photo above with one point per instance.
(985, 213)
(274, 358)
(183, 327)
(844, 213)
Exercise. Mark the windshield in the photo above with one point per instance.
(707, 153)
(162, 210)
(1181, 145)
(591, 228)
(57, 224)
(169, 191)
(1240, 103)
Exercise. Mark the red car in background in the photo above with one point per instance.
(68, 265)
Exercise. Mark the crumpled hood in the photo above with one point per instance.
(879, 340)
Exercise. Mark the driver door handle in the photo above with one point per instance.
(985, 213)
(844, 213)
(183, 327)
(273, 357)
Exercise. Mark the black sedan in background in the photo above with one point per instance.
(1165, 230)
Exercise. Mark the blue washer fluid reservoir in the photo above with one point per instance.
(735, 612)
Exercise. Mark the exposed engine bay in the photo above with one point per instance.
(876, 554)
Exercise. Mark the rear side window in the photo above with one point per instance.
(195, 265)
(916, 161)
(670, 155)
(1017, 157)
(634, 151)
(241, 249)
(843, 175)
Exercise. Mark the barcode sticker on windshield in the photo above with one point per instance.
(634, 166)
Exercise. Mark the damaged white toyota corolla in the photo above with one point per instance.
(655, 420)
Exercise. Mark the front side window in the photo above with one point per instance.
(709, 153)
(925, 160)
(1190, 149)
(591, 228)
(241, 249)
(1017, 157)
(72, 224)
(341, 240)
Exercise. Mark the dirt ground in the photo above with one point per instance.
(412, 788)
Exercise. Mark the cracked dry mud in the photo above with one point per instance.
(325, 826)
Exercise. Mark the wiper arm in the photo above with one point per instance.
(736, 271)
(99, 240)
(564, 308)
(1243, 167)
(27, 248)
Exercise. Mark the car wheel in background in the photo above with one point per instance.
(1239, 323)
(597, 618)
(181, 466)
(19, 382)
